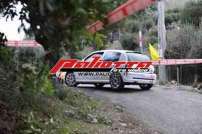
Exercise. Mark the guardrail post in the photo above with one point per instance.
(178, 75)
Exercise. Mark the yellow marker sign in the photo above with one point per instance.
(154, 53)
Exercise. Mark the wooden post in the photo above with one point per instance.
(178, 75)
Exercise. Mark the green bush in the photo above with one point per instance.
(23, 75)
(192, 13)
(172, 16)
(128, 42)
(5, 55)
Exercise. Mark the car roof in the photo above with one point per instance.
(120, 51)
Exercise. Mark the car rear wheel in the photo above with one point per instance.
(70, 80)
(146, 86)
(116, 81)
(99, 85)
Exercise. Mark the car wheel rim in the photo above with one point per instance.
(70, 79)
(115, 81)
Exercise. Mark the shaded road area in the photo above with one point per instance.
(170, 110)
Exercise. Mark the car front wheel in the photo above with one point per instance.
(70, 80)
(116, 81)
(146, 86)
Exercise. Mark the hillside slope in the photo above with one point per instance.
(177, 3)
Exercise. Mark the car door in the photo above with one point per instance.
(113, 56)
(90, 76)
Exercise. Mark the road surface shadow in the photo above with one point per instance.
(108, 89)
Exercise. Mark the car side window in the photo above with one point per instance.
(112, 56)
(90, 57)
(137, 57)
(122, 57)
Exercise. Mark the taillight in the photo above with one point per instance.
(151, 69)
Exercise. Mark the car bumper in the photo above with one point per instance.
(135, 78)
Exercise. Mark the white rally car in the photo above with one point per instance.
(117, 79)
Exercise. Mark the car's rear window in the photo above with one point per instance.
(137, 57)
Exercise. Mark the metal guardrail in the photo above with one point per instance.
(23, 43)
(177, 62)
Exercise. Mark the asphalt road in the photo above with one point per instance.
(170, 110)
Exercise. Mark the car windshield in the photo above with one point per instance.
(91, 57)
(112, 56)
(137, 57)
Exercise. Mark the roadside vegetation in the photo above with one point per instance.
(184, 41)
(31, 103)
